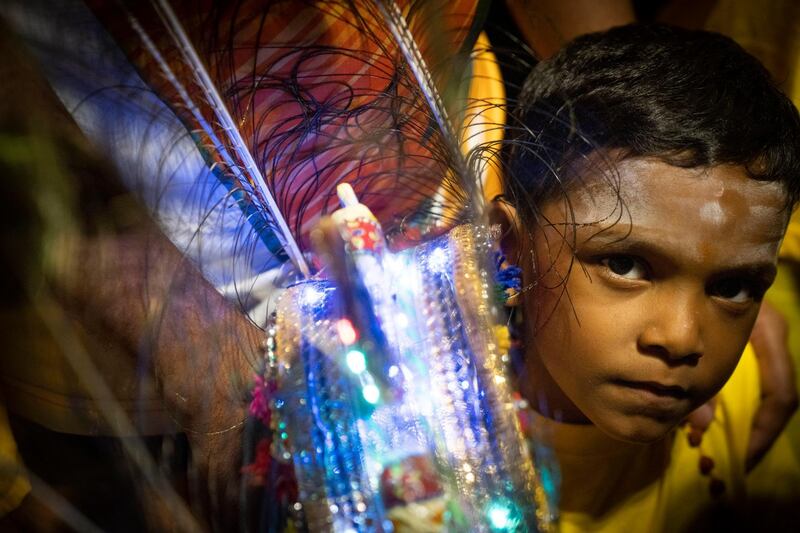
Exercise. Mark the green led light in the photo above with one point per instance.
(356, 361)
(371, 393)
(502, 516)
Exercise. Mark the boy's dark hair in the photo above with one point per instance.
(691, 98)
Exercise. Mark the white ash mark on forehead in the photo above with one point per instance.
(712, 213)
(762, 210)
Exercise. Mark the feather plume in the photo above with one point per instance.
(397, 24)
(248, 172)
(306, 96)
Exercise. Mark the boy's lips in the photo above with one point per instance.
(655, 388)
(664, 402)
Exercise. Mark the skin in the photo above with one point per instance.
(644, 317)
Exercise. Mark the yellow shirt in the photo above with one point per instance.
(612, 486)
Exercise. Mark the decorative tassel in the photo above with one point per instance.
(508, 280)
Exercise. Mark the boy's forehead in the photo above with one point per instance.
(651, 198)
(648, 185)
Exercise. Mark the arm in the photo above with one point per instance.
(142, 293)
(779, 399)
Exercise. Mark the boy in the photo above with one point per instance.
(649, 186)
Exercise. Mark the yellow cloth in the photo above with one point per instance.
(790, 249)
(482, 121)
(14, 485)
(608, 485)
(485, 116)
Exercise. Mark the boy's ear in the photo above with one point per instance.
(503, 214)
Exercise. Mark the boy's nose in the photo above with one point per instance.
(673, 330)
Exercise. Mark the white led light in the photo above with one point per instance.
(402, 271)
(371, 393)
(499, 517)
(401, 320)
(356, 361)
(438, 260)
(312, 296)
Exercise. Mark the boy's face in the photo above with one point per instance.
(660, 295)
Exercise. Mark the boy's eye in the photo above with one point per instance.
(625, 266)
(734, 290)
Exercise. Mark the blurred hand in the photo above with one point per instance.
(779, 398)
